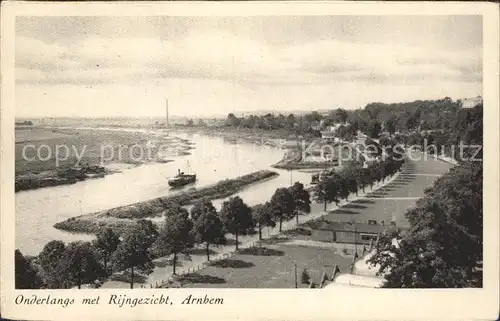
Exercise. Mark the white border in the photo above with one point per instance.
(266, 304)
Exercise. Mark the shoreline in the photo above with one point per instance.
(34, 173)
(124, 217)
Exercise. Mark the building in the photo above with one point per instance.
(472, 102)
(343, 232)
(316, 125)
(330, 132)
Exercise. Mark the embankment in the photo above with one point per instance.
(123, 216)
(58, 177)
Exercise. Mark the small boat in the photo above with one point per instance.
(182, 179)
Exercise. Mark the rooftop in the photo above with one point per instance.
(346, 226)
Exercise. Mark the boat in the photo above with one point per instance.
(316, 178)
(182, 179)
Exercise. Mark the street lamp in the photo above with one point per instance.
(295, 273)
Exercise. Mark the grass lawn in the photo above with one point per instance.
(271, 266)
(89, 143)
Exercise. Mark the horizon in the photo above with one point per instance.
(99, 67)
(218, 116)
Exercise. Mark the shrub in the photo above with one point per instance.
(304, 277)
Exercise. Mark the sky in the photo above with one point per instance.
(128, 66)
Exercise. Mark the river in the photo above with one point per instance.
(213, 159)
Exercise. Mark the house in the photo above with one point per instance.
(345, 232)
(316, 125)
(472, 102)
(330, 132)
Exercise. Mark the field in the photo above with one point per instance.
(51, 157)
(271, 266)
(90, 144)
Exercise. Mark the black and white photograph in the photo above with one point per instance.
(317, 152)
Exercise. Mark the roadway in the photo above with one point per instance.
(391, 202)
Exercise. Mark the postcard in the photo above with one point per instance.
(249, 160)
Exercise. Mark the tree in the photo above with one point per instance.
(132, 252)
(50, 260)
(301, 198)
(304, 277)
(290, 121)
(149, 229)
(313, 116)
(106, 243)
(343, 187)
(237, 217)
(232, 120)
(352, 182)
(390, 126)
(326, 191)
(283, 205)
(263, 216)
(27, 276)
(341, 115)
(367, 177)
(374, 129)
(176, 234)
(208, 226)
(359, 176)
(200, 207)
(80, 264)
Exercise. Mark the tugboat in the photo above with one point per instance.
(182, 179)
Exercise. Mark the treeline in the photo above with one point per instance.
(63, 266)
(375, 117)
(466, 128)
(353, 178)
(444, 246)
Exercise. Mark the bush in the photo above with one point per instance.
(304, 277)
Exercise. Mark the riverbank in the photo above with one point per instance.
(278, 138)
(47, 157)
(59, 177)
(121, 218)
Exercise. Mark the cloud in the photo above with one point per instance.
(220, 55)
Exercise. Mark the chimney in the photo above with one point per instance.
(178, 171)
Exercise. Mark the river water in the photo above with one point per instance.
(213, 159)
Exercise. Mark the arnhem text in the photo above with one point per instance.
(119, 300)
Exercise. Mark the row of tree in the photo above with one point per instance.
(373, 119)
(62, 266)
(353, 178)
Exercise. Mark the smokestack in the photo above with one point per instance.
(166, 106)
